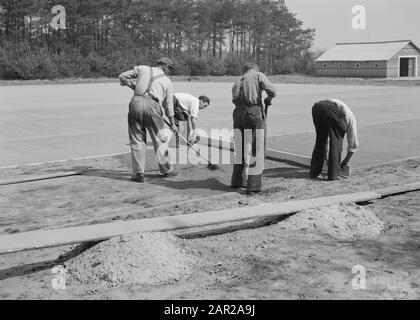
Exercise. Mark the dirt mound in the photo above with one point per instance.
(149, 259)
(339, 221)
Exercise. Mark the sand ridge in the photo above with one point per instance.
(338, 221)
(149, 259)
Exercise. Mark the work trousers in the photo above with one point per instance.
(250, 138)
(329, 121)
(179, 115)
(146, 114)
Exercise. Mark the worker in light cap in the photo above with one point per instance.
(153, 96)
(333, 120)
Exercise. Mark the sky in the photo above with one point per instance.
(385, 20)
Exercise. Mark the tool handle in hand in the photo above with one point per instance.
(189, 144)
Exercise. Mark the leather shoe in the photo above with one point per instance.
(139, 177)
(171, 174)
(253, 192)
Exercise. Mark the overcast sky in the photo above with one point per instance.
(386, 20)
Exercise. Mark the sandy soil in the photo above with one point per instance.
(287, 260)
(105, 193)
(149, 259)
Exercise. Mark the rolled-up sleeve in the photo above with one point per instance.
(129, 75)
(352, 138)
(235, 91)
(169, 101)
(267, 86)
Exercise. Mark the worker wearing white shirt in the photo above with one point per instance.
(333, 119)
(186, 108)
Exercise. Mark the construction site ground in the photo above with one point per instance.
(284, 260)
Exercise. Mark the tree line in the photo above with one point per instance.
(104, 37)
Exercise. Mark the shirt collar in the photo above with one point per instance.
(251, 71)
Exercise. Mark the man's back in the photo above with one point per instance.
(159, 85)
(252, 84)
(189, 103)
(153, 81)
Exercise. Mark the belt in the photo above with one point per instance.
(147, 95)
(248, 105)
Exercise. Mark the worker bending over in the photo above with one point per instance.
(333, 119)
(151, 88)
(249, 123)
(186, 108)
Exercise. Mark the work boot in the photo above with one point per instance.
(171, 174)
(139, 177)
(242, 186)
(253, 192)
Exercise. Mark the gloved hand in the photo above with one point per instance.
(124, 82)
(267, 101)
(175, 129)
(172, 125)
(193, 138)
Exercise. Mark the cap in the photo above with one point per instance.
(166, 61)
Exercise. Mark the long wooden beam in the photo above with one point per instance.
(32, 178)
(93, 233)
(290, 157)
(391, 191)
(61, 237)
(272, 154)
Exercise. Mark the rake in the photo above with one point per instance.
(210, 166)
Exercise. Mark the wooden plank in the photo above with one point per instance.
(290, 157)
(270, 153)
(93, 233)
(210, 231)
(63, 160)
(217, 143)
(386, 192)
(32, 178)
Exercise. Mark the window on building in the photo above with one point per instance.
(340, 65)
(324, 65)
(376, 65)
(357, 65)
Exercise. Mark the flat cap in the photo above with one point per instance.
(167, 61)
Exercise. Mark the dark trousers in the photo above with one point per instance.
(329, 121)
(250, 133)
(179, 115)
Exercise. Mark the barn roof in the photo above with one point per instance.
(365, 51)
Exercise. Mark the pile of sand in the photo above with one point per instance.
(146, 259)
(339, 221)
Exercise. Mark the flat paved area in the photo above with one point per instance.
(57, 122)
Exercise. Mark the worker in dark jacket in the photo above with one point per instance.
(249, 122)
(333, 119)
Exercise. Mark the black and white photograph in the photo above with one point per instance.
(232, 151)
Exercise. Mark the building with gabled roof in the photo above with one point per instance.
(388, 59)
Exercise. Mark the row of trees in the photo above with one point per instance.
(103, 37)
